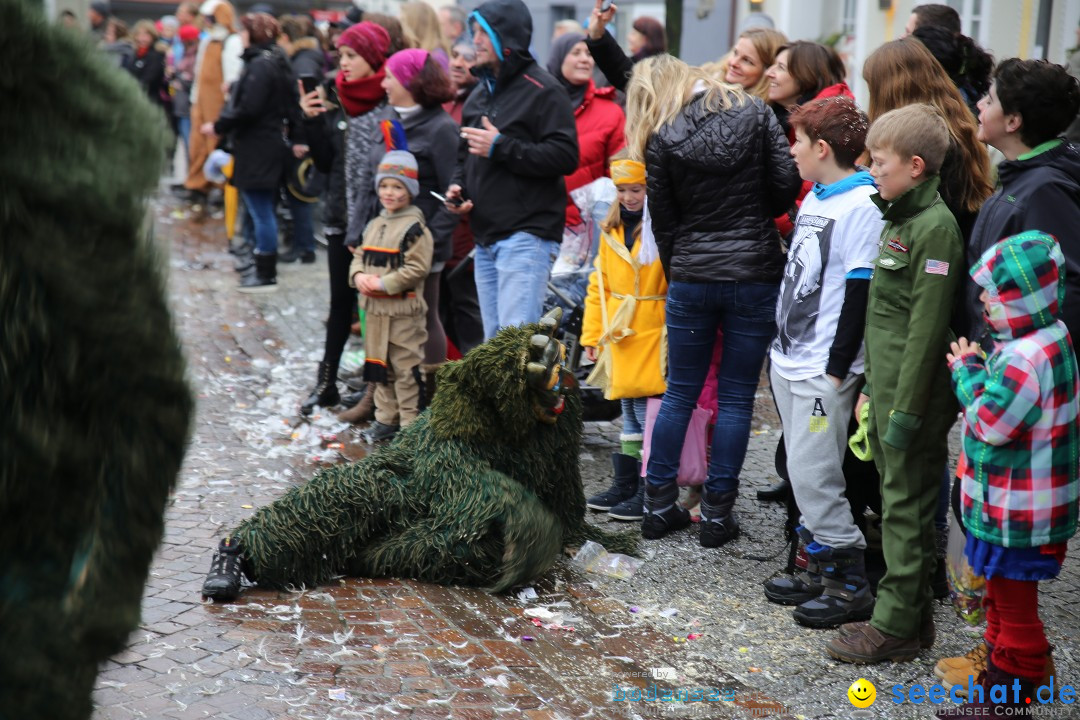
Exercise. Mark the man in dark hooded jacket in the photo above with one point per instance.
(518, 141)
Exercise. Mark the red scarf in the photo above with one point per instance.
(362, 95)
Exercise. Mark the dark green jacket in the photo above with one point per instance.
(914, 286)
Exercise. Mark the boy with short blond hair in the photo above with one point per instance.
(912, 292)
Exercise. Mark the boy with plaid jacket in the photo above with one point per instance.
(1021, 472)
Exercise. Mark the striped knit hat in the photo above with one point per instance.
(399, 165)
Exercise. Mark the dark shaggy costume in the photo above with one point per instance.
(477, 491)
(95, 409)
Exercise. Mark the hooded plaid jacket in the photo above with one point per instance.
(1020, 407)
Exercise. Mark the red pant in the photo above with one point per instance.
(1013, 628)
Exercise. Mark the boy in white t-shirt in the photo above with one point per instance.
(817, 364)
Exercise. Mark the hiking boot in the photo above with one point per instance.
(927, 631)
(983, 706)
(377, 432)
(307, 257)
(958, 670)
(775, 493)
(633, 508)
(223, 581)
(719, 523)
(325, 393)
(803, 585)
(865, 645)
(624, 484)
(662, 513)
(845, 596)
(363, 410)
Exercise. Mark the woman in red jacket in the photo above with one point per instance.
(599, 120)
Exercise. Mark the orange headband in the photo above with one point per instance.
(628, 172)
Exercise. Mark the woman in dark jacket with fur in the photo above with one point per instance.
(262, 104)
(719, 171)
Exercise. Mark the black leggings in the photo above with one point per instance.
(342, 300)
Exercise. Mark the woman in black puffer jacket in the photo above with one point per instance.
(263, 107)
(719, 171)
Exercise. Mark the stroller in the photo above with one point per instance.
(570, 283)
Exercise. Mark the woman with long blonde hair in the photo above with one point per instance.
(904, 72)
(745, 65)
(719, 171)
(421, 26)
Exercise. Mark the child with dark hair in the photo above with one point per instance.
(1020, 481)
(817, 360)
(1029, 106)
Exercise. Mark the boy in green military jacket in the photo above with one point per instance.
(914, 286)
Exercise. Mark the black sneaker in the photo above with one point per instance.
(223, 581)
(624, 486)
(377, 432)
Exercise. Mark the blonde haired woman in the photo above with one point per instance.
(754, 53)
(421, 26)
(719, 171)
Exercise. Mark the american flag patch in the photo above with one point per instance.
(937, 267)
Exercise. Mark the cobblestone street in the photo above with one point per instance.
(379, 648)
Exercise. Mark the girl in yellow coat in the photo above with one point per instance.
(624, 332)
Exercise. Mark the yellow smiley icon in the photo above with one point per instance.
(862, 693)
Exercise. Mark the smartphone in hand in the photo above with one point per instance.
(605, 5)
(310, 83)
(456, 201)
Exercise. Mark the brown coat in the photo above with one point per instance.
(397, 247)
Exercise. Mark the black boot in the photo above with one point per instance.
(243, 257)
(223, 581)
(719, 523)
(846, 597)
(325, 393)
(775, 493)
(662, 512)
(804, 585)
(265, 277)
(307, 257)
(623, 486)
(633, 508)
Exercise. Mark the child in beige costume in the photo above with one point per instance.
(388, 269)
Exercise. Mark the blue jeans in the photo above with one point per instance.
(633, 416)
(183, 127)
(260, 205)
(302, 219)
(511, 280)
(747, 313)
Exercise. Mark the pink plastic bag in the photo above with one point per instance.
(693, 466)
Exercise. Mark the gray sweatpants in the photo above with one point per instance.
(815, 415)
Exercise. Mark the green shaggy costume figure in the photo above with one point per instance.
(482, 489)
(95, 409)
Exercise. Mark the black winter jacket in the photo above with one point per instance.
(716, 180)
(326, 137)
(262, 104)
(520, 187)
(307, 58)
(1040, 193)
(149, 70)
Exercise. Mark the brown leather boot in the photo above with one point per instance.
(865, 645)
(363, 410)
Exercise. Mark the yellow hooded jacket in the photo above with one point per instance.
(632, 338)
